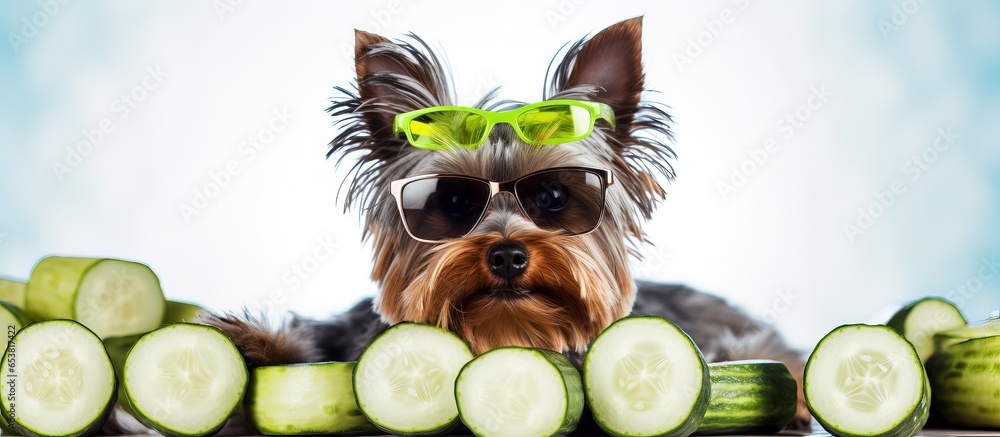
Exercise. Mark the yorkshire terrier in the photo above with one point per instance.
(509, 224)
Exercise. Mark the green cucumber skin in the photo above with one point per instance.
(118, 348)
(700, 406)
(94, 428)
(53, 284)
(574, 389)
(749, 398)
(906, 428)
(965, 378)
(160, 428)
(447, 427)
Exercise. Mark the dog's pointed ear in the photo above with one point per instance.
(612, 62)
(389, 75)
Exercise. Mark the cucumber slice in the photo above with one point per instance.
(111, 297)
(405, 379)
(58, 380)
(513, 391)
(918, 321)
(965, 378)
(299, 399)
(867, 380)
(753, 396)
(179, 312)
(185, 379)
(645, 377)
(12, 291)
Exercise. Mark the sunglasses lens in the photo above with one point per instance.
(443, 207)
(557, 123)
(569, 200)
(448, 128)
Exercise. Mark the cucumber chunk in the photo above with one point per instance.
(111, 297)
(13, 292)
(300, 399)
(404, 381)
(645, 377)
(179, 312)
(867, 380)
(12, 319)
(185, 379)
(943, 340)
(965, 378)
(58, 380)
(918, 321)
(513, 391)
(753, 396)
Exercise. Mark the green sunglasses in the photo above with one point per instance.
(542, 123)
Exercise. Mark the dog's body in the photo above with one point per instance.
(567, 288)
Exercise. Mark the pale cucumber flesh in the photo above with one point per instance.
(119, 298)
(184, 379)
(405, 379)
(515, 392)
(866, 380)
(64, 383)
(644, 376)
(921, 320)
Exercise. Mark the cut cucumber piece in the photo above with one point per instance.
(58, 380)
(918, 321)
(118, 348)
(12, 291)
(513, 391)
(867, 380)
(404, 381)
(754, 396)
(12, 319)
(185, 379)
(179, 312)
(965, 378)
(943, 340)
(645, 377)
(299, 399)
(111, 297)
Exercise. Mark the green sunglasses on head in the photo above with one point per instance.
(548, 122)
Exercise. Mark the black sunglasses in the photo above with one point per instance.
(437, 207)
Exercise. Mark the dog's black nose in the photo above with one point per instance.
(507, 260)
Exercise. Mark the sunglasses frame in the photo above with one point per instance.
(598, 111)
(396, 189)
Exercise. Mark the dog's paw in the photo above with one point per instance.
(262, 345)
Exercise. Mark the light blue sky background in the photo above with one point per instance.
(775, 245)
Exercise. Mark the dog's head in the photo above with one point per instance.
(532, 271)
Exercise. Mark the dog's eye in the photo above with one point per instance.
(552, 197)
